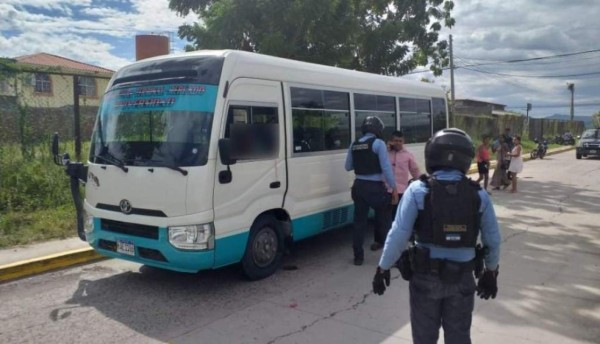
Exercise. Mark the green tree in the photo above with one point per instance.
(377, 36)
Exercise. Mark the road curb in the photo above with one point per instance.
(36, 266)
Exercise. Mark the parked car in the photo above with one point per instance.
(589, 144)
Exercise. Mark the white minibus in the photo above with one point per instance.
(212, 158)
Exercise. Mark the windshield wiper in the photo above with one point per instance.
(111, 159)
(172, 167)
(177, 168)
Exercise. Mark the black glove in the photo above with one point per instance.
(487, 286)
(381, 276)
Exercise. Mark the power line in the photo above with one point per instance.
(549, 106)
(562, 63)
(492, 62)
(535, 58)
(507, 80)
(530, 76)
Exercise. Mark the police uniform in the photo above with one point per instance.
(447, 213)
(369, 159)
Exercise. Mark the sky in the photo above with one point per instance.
(562, 34)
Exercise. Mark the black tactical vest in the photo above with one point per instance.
(450, 217)
(364, 159)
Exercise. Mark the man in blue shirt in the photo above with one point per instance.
(369, 159)
(447, 212)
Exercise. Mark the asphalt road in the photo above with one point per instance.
(549, 286)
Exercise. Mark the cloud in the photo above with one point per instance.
(101, 32)
(56, 5)
(488, 31)
(102, 12)
(83, 30)
(75, 47)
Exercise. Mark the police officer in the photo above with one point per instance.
(369, 159)
(447, 212)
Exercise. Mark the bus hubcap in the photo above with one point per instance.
(265, 247)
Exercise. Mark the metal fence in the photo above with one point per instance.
(478, 126)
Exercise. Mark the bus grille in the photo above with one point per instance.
(150, 232)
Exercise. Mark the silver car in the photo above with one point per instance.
(589, 144)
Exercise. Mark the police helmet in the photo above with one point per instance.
(373, 125)
(449, 148)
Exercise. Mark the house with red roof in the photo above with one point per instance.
(38, 94)
(47, 81)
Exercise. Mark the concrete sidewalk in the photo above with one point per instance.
(28, 260)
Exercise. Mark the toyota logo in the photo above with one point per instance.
(125, 206)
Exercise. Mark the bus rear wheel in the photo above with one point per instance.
(264, 250)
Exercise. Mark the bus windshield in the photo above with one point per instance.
(155, 125)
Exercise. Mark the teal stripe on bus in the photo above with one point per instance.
(307, 226)
(230, 250)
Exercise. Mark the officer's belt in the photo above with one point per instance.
(436, 266)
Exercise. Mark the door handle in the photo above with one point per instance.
(275, 185)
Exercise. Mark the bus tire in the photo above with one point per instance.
(264, 249)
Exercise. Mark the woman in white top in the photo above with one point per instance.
(516, 162)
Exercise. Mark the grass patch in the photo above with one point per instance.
(35, 198)
(23, 227)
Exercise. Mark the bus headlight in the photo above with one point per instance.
(192, 237)
(88, 222)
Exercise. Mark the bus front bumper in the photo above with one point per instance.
(153, 252)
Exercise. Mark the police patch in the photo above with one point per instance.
(455, 228)
(452, 237)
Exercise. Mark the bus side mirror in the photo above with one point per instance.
(61, 160)
(225, 152)
(58, 159)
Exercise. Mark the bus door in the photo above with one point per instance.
(254, 122)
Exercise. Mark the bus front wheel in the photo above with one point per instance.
(264, 250)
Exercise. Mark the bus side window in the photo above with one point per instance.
(254, 131)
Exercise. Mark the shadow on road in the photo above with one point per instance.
(165, 305)
(549, 271)
(549, 278)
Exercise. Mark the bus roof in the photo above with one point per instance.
(253, 65)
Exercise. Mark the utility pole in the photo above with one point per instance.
(526, 129)
(76, 117)
(571, 87)
(451, 80)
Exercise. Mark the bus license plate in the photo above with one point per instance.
(125, 247)
(593, 151)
